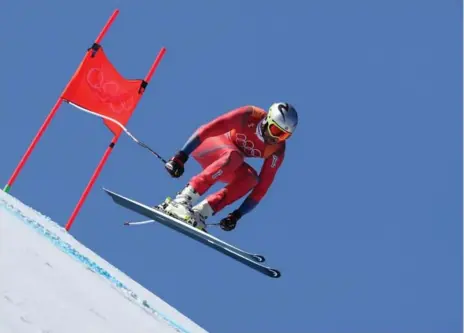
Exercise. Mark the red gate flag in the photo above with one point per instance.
(98, 88)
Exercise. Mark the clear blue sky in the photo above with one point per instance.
(365, 216)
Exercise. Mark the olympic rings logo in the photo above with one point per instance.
(247, 145)
(109, 91)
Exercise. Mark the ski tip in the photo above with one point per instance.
(259, 258)
(126, 223)
(275, 273)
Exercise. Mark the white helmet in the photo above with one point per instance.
(281, 121)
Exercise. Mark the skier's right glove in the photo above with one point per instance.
(175, 166)
(230, 221)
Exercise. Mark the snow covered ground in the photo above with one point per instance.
(49, 283)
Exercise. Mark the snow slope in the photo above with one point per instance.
(49, 283)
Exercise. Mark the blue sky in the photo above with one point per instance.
(365, 217)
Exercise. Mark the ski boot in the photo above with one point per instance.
(162, 206)
(201, 212)
(181, 206)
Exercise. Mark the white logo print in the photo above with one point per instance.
(109, 91)
(247, 145)
(274, 161)
(217, 174)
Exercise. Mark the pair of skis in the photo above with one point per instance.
(252, 260)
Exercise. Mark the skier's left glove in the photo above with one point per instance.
(230, 221)
(175, 166)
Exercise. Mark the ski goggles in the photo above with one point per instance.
(276, 131)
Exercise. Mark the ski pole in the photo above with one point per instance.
(151, 150)
(139, 222)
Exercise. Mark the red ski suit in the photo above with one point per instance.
(221, 147)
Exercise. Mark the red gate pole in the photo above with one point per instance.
(92, 181)
(111, 146)
(107, 26)
(51, 115)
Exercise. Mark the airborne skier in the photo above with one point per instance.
(221, 147)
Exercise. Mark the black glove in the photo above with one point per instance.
(175, 166)
(228, 223)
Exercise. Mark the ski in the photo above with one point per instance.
(252, 256)
(193, 233)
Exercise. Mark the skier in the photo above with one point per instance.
(221, 147)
